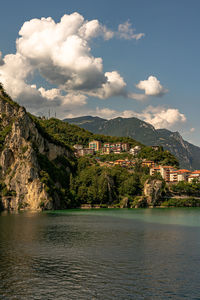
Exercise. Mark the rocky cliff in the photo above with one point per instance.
(153, 191)
(29, 160)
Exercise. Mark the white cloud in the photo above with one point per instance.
(135, 96)
(125, 31)
(61, 54)
(93, 28)
(114, 86)
(161, 117)
(73, 98)
(152, 87)
(192, 129)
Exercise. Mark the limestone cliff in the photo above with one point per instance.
(25, 155)
(153, 189)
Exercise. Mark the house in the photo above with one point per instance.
(95, 145)
(105, 150)
(156, 148)
(173, 177)
(165, 172)
(183, 175)
(154, 171)
(179, 175)
(116, 147)
(148, 163)
(134, 151)
(84, 151)
(168, 173)
(125, 147)
(123, 163)
(194, 175)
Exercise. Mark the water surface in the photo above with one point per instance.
(100, 254)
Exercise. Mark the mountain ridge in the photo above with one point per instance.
(187, 153)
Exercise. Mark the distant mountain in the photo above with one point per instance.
(187, 153)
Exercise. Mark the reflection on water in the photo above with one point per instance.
(100, 254)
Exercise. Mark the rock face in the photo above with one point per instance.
(153, 191)
(20, 169)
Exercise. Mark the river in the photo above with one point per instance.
(100, 254)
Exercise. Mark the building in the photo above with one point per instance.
(134, 151)
(116, 147)
(84, 151)
(168, 173)
(179, 175)
(194, 175)
(183, 175)
(123, 163)
(125, 147)
(95, 145)
(106, 145)
(154, 171)
(173, 176)
(148, 163)
(105, 150)
(165, 172)
(156, 148)
(191, 178)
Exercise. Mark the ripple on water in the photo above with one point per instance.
(120, 254)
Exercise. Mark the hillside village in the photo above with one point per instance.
(169, 173)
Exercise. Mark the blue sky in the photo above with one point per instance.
(164, 63)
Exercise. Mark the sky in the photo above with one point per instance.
(131, 58)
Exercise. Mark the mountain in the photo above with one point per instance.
(34, 167)
(187, 153)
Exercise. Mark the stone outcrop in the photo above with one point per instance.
(20, 169)
(153, 190)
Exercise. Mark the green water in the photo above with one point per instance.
(176, 216)
(100, 254)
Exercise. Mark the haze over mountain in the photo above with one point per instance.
(187, 153)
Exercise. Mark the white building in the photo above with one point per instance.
(134, 151)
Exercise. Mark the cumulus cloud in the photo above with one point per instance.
(125, 31)
(72, 98)
(152, 87)
(60, 53)
(161, 117)
(114, 86)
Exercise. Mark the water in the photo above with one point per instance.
(101, 254)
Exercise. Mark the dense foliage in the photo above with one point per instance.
(56, 177)
(186, 188)
(181, 202)
(101, 185)
(115, 156)
(159, 156)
